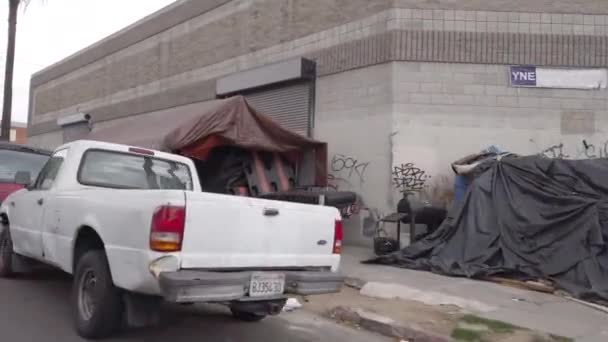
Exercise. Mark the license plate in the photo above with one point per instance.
(266, 284)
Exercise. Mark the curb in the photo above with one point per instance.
(355, 283)
(383, 325)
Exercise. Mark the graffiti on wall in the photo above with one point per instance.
(345, 171)
(592, 151)
(409, 178)
(349, 167)
(554, 152)
(586, 149)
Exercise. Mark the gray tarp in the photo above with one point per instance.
(525, 218)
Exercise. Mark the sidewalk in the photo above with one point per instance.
(533, 310)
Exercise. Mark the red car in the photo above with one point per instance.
(16, 163)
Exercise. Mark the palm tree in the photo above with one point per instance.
(7, 108)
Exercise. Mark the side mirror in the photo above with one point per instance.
(23, 178)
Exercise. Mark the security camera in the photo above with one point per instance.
(73, 119)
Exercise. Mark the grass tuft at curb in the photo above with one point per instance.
(383, 325)
(472, 328)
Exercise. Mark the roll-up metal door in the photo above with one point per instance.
(289, 105)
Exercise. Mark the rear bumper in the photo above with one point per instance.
(200, 286)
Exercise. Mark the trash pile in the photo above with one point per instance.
(524, 218)
(469, 167)
(237, 151)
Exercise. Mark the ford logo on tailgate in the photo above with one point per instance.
(321, 242)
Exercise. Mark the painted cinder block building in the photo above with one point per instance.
(394, 86)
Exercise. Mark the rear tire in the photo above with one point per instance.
(6, 253)
(96, 302)
(246, 316)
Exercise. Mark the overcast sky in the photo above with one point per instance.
(50, 30)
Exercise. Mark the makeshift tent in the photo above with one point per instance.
(527, 217)
(195, 130)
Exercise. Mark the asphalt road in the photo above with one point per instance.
(35, 308)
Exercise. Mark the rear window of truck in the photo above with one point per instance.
(120, 170)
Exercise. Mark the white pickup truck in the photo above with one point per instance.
(134, 228)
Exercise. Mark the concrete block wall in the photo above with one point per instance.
(443, 112)
(179, 64)
(237, 35)
(50, 140)
(354, 114)
(410, 120)
(533, 6)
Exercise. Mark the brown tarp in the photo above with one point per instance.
(149, 130)
(193, 130)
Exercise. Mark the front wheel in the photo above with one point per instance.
(96, 302)
(6, 253)
(246, 316)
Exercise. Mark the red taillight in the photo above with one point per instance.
(141, 151)
(338, 237)
(167, 229)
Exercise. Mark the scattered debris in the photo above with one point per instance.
(538, 286)
(438, 320)
(411, 320)
(553, 209)
(355, 283)
(291, 305)
(383, 325)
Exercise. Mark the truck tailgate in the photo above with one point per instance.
(232, 232)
